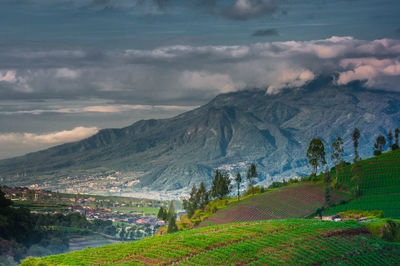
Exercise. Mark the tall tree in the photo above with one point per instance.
(162, 214)
(356, 170)
(395, 146)
(327, 182)
(221, 186)
(251, 175)
(171, 210)
(192, 203)
(379, 144)
(316, 154)
(337, 154)
(172, 227)
(390, 139)
(238, 180)
(202, 195)
(355, 137)
(4, 202)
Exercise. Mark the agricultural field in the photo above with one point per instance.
(93, 240)
(379, 185)
(284, 242)
(293, 201)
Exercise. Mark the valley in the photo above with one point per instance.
(270, 227)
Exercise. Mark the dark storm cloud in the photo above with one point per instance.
(265, 33)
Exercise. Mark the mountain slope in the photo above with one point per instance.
(229, 133)
(280, 242)
(379, 185)
(294, 201)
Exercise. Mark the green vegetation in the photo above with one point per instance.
(357, 214)
(221, 186)
(23, 233)
(48, 201)
(168, 216)
(238, 180)
(198, 207)
(386, 229)
(375, 182)
(368, 234)
(316, 154)
(281, 242)
(337, 154)
(291, 201)
(251, 175)
(355, 136)
(379, 145)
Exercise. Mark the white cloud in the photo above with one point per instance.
(101, 109)
(372, 70)
(183, 73)
(52, 138)
(67, 73)
(289, 79)
(202, 80)
(8, 76)
(247, 9)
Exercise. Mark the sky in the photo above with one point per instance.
(69, 68)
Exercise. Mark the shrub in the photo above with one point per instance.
(256, 189)
(377, 152)
(387, 229)
(356, 214)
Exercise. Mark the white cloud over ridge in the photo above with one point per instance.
(191, 75)
(52, 138)
(202, 80)
(372, 70)
(115, 108)
(290, 79)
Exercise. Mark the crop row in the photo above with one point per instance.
(234, 242)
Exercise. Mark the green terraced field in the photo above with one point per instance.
(379, 185)
(293, 241)
(293, 201)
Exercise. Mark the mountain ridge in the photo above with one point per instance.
(229, 132)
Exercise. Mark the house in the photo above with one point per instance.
(335, 218)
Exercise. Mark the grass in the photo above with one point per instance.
(290, 241)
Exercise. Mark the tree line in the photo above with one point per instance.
(220, 189)
(316, 149)
(316, 157)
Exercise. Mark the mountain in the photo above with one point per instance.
(230, 132)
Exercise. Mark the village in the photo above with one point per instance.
(121, 210)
